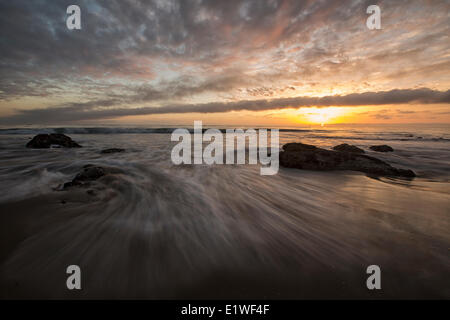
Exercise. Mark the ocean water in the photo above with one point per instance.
(224, 231)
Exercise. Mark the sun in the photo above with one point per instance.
(321, 115)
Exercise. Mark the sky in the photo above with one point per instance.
(274, 62)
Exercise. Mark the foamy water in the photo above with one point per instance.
(159, 230)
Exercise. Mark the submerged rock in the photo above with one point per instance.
(348, 148)
(382, 148)
(309, 157)
(88, 174)
(112, 150)
(52, 140)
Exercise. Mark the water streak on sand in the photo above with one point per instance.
(159, 230)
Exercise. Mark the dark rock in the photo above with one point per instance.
(308, 157)
(382, 148)
(53, 139)
(88, 174)
(348, 148)
(71, 184)
(112, 150)
(293, 147)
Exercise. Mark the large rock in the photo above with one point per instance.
(52, 139)
(348, 148)
(309, 157)
(382, 148)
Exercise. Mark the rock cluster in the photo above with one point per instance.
(309, 157)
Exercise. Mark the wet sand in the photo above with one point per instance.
(41, 236)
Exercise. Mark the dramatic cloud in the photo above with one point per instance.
(88, 111)
(216, 56)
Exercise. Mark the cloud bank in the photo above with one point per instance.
(90, 111)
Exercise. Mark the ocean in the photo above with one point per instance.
(157, 230)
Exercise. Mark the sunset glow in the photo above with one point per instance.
(320, 116)
(254, 62)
